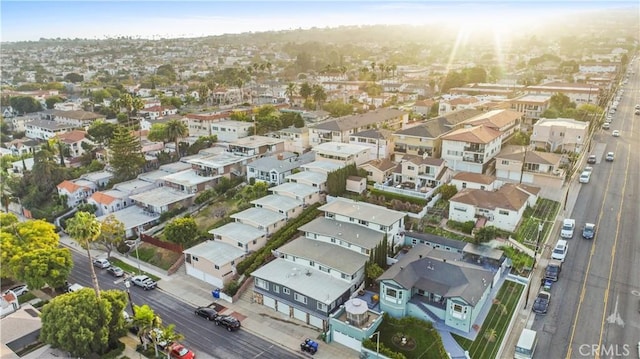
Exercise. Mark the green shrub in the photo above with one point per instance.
(231, 288)
(465, 227)
(115, 352)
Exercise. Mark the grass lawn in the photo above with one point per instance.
(129, 268)
(495, 324)
(545, 210)
(422, 341)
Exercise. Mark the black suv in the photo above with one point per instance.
(227, 321)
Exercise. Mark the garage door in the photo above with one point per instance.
(196, 273)
(269, 302)
(300, 315)
(316, 322)
(348, 341)
(283, 308)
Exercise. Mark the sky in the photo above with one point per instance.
(26, 20)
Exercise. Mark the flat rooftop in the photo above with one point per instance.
(347, 232)
(132, 217)
(216, 252)
(263, 216)
(277, 201)
(331, 255)
(240, 232)
(159, 197)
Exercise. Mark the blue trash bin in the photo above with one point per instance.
(216, 293)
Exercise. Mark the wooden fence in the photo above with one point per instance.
(174, 247)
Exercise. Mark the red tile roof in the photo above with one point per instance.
(102, 198)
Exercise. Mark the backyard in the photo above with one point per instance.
(412, 337)
(495, 324)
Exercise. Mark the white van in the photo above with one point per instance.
(526, 346)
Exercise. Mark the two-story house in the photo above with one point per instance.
(339, 129)
(532, 106)
(421, 173)
(379, 171)
(577, 92)
(73, 141)
(76, 191)
(503, 120)
(231, 131)
(471, 149)
(77, 119)
(45, 129)
(109, 201)
(541, 169)
(220, 164)
(560, 134)
(342, 153)
(256, 146)
(274, 169)
(313, 179)
(213, 261)
(296, 139)
(379, 141)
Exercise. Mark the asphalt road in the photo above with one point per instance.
(203, 337)
(595, 305)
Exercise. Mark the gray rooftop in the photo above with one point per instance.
(281, 165)
(322, 166)
(161, 196)
(452, 243)
(152, 176)
(360, 120)
(308, 176)
(420, 269)
(218, 160)
(344, 231)
(237, 231)
(131, 217)
(264, 217)
(318, 285)
(363, 211)
(275, 200)
(49, 125)
(131, 186)
(188, 178)
(298, 189)
(175, 167)
(333, 256)
(97, 176)
(216, 252)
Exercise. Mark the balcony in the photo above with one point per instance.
(475, 149)
(473, 159)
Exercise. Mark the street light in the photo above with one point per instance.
(377, 334)
(127, 284)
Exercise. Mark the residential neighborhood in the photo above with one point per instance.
(334, 187)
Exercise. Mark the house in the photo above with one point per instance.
(73, 141)
(425, 138)
(296, 139)
(45, 129)
(189, 181)
(339, 129)
(161, 199)
(421, 174)
(532, 106)
(76, 191)
(225, 164)
(471, 149)
(77, 118)
(310, 178)
(435, 285)
(201, 124)
(274, 169)
(322, 166)
(367, 215)
(342, 153)
(352, 323)
(304, 193)
(100, 178)
(109, 201)
(261, 218)
(379, 141)
(156, 112)
(379, 171)
(23, 146)
(25, 164)
(256, 146)
(448, 105)
(541, 169)
(287, 206)
(213, 262)
(560, 134)
(578, 93)
(502, 209)
(240, 235)
(134, 186)
(480, 181)
(134, 219)
(505, 121)
(423, 107)
(231, 131)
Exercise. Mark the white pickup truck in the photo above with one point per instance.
(568, 227)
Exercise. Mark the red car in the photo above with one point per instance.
(178, 351)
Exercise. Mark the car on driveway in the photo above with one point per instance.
(591, 160)
(101, 263)
(206, 312)
(541, 304)
(178, 351)
(560, 250)
(18, 290)
(144, 282)
(228, 322)
(610, 156)
(115, 271)
(616, 133)
(589, 231)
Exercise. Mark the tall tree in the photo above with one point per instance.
(319, 95)
(181, 230)
(291, 91)
(112, 232)
(84, 228)
(126, 156)
(176, 130)
(305, 90)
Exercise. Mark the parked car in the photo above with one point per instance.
(228, 322)
(115, 271)
(610, 156)
(206, 312)
(592, 159)
(144, 282)
(616, 133)
(568, 225)
(101, 263)
(606, 126)
(541, 304)
(18, 290)
(589, 231)
(588, 169)
(178, 351)
(560, 250)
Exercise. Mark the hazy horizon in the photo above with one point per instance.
(33, 20)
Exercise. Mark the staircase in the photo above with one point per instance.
(432, 317)
(247, 295)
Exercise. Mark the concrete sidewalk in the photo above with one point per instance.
(257, 319)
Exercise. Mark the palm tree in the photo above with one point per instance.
(319, 96)
(175, 130)
(305, 90)
(84, 228)
(291, 91)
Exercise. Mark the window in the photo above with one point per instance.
(300, 298)
(392, 292)
(503, 212)
(286, 290)
(216, 266)
(276, 288)
(261, 283)
(505, 162)
(464, 184)
(457, 308)
(321, 306)
(324, 269)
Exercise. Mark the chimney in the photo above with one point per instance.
(280, 157)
